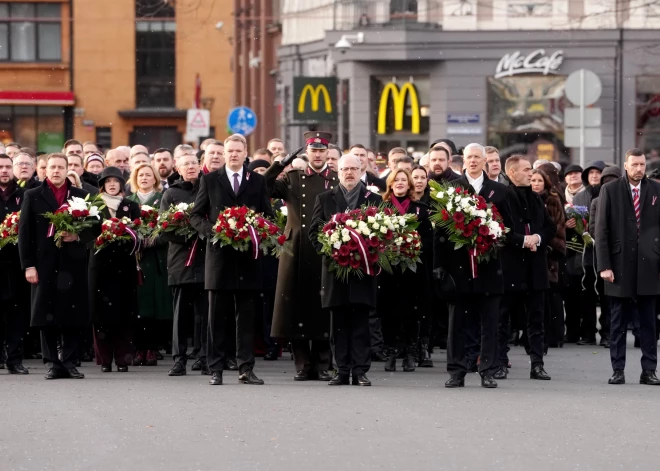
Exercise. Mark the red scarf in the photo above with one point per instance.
(401, 206)
(59, 193)
(205, 170)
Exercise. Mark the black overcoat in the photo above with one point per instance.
(60, 298)
(335, 292)
(298, 313)
(489, 278)
(525, 270)
(12, 279)
(635, 260)
(226, 268)
(179, 248)
(113, 277)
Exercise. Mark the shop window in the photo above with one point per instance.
(526, 116)
(154, 137)
(103, 137)
(37, 127)
(648, 114)
(30, 32)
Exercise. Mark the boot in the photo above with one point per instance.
(424, 356)
(409, 360)
(390, 363)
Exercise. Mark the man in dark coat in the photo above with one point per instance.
(349, 301)
(478, 290)
(367, 177)
(231, 277)
(298, 314)
(14, 289)
(60, 304)
(185, 272)
(439, 169)
(628, 258)
(525, 265)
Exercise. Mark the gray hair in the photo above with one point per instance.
(475, 146)
(347, 157)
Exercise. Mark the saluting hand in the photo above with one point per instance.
(290, 158)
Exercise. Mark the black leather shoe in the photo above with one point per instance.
(649, 377)
(539, 373)
(122, 369)
(487, 381)
(204, 369)
(501, 373)
(2, 366)
(179, 369)
(230, 364)
(361, 380)
(301, 376)
(270, 356)
(390, 363)
(216, 378)
(106, 369)
(249, 378)
(408, 363)
(604, 341)
(197, 365)
(455, 381)
(338, 381)
(54, 373)
(587, 341)
(379, 356)
(425, 357)
(323, 376)
(17, 370)
(618, 377)
(75, 374)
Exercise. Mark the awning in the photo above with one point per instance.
(23, 97)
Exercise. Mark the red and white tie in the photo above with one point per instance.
(636, 204)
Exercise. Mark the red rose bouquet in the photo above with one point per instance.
(9, 229)
(468, 221)
(177, 220)
(242, 228)
(406, 249)
(146, 224)
(74, 216)
(116, 230)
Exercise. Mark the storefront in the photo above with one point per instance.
(498, 88)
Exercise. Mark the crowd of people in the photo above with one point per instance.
(218, 307)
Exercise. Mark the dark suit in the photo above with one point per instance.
(349, 302)
(478, 298)
(525, 272)
(634, 256)
(373, 180)
(231, 277)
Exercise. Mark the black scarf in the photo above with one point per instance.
(351, 196)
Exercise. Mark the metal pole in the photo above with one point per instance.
(582, 118)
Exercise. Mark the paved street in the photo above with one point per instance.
(145, 420)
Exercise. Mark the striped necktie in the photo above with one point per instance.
(636, 204)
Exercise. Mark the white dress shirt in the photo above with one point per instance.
(476, 183)
(230, 175)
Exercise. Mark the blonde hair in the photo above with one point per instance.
(133, 180)
(390, 182)
(236, 138)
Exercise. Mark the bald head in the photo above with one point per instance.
(118, 158)
(349, 171)
(139, 149)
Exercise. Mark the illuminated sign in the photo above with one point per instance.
(314, 98)
(399, 96)
(536, 62)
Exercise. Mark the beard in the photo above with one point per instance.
(164, 172)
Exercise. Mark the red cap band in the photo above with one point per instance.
(317, 140)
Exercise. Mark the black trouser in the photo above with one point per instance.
(351, 338)
(400, 327)
(439, 323)
(473, 309)
(471, 323)
(581, 314)
(311, 358)
(190, 302)
(12, 329)
(604, 318)
(221, 305)
(554, 317)
(267, 308)
(113, 341)
(532, 303)
(376, 332)
(69, 339)
(622, 311)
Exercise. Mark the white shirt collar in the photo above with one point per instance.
(364, 177)
(320, 171)
(638, 187)
(230, 174)
(477, 183)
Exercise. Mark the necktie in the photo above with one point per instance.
(236, 184)
(636, 204)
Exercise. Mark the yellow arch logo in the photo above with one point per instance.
(399, 96)
(315, 93)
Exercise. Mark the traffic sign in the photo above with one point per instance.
(242, 120)
(592, 117)
(583, 93)
(198, 123)
(592, 137)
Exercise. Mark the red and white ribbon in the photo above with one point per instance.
(473, 262)
(191, 255)
(255, 241)
(51, 226)
(135, 238)
(362, 246)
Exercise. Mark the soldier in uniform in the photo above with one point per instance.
(298, 314)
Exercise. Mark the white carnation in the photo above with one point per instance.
(182, 206)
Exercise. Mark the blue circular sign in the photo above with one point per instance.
(242, 120)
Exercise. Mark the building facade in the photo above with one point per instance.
(493, 72)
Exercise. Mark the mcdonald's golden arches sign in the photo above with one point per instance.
(399, 95)
(314, 98)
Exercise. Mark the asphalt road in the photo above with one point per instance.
(144, 420)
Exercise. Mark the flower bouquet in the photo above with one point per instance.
(281, 216)
(146, 224)
(469, 221)
(9, 229)
(74, 216)
(241, 228)
(580, 214)
(116, 230)
(177, 220)
(406, 250)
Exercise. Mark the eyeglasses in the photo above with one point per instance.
(188, 164)
(23, 164)
(349, 169)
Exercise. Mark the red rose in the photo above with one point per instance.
(467, 232)
(479, 239)
(342, 261)
(371, 211)
(445, 215)
(354, 263)
(243, 235)
(98, 242)
(230, 233)
(374, 242)
(388, 211)
(75, 213)
(373, 258)
(483, 230)
(152, 225)
(344, 251)
(329, 226)
(459, 217)
(388, 235)
(352, 244)
(272, 230)
(281, 239)
(264, 236)
(218, 229)
(165, 224)
(137, 222)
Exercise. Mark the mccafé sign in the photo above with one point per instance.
(536, 62)
(399, 96)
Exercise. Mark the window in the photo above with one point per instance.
(38, 127)
(103, 137)
(155, 34)
(30, 32)
(648, 114)
(154, 137)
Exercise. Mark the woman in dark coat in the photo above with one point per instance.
(402, 296)
(154, 295)
(113, 281)
(554, 312)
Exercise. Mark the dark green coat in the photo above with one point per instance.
(154, 296)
